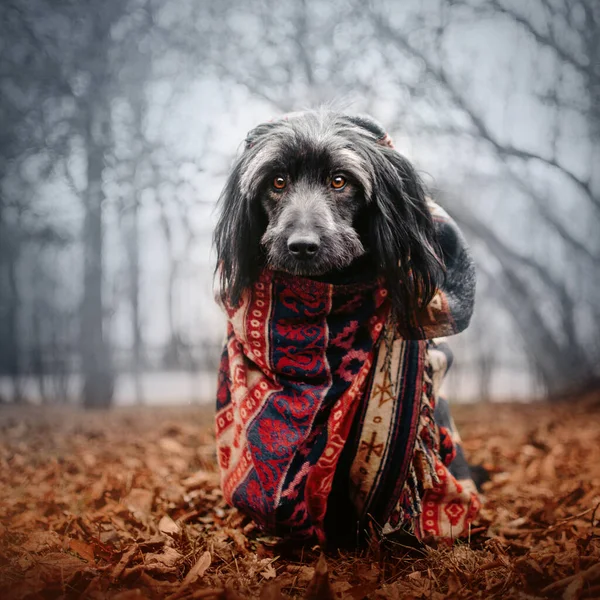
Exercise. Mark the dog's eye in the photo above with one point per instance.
(338, 182)
(279, 182)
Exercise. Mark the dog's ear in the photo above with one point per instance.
(242, 221)
(402, 233)
(368, 124)
(258, 132)
(237, 236)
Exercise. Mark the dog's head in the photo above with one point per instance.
(313, 192)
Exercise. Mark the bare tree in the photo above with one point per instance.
(299, 61)
(77, 49)
(547, 298)
(26, 79)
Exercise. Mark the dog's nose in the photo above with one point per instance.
(303, 246)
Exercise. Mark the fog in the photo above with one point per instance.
(120, 120)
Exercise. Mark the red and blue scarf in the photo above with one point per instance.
(325, 409)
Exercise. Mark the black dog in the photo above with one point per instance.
(313, 194)
(319, 199)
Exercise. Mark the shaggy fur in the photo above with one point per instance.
(280, 209)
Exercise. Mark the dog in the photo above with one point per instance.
(314, 193)
(337, 272)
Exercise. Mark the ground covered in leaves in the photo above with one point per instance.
(126, 504)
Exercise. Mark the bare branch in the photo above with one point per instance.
(508, 255)
(504, 151)
(547, 40)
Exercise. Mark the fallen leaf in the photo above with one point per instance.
(340, 588)
(199, 478)
(169, 557)
(66, 563)
(269, 572)
(40, 541)
(195, 573)
(122, 564)
(139, 500)
(304, 573)
(171, 445)
(84, 550)
(198, 569)
(161, 588)
(167, 525)
(241, 541)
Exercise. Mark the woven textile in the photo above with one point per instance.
(325, 407)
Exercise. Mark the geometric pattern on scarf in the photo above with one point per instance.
(325, 410)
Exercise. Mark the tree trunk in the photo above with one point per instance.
(98, 383)
(134, 298)
(12, 322)
(37, 354)
(138, 105)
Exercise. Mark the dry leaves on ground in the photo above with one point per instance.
(127, 505)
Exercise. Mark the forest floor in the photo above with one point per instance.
(126, 504)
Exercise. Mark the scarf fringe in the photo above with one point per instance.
(423, 481)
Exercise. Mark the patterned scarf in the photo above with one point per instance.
(325, 407)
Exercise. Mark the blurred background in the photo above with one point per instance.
(119, 120)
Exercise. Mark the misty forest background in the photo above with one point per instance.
(119, 120)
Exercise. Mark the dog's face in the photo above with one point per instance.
(311, 193)
(315, 191)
